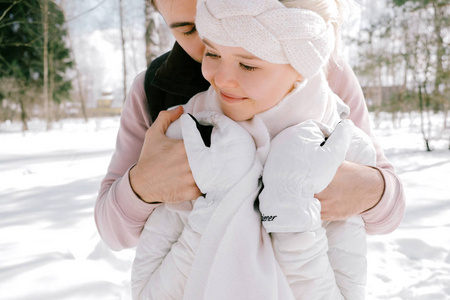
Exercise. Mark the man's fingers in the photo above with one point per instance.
(190, 193)
(165, 118)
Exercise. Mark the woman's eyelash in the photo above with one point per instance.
(247, 68)
(215, 56)
(192, 31)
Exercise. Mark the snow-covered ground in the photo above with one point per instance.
(50, 248)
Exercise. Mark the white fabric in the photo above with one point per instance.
(299, 166)
(165, 249)
(234, 257)
(347, 238)
(304, 255)
(311, 99)
(218, 167)
(270, 31)
(204, 266)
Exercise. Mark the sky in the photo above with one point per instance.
(95, 36)
(86, 16)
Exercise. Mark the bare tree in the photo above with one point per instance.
(123, 50)
(45, 92)
(151, 36)
(19, 96)
(408, 53)
(158, 38)
(441, 22)
(418, 48)
(75, 65)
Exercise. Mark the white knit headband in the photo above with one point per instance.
(268, 30)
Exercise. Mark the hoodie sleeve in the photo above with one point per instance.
(119, 213)
(388, 213)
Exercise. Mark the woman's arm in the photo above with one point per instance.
(375, 193)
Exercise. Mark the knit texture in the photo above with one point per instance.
(270, 31)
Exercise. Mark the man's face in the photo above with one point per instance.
(180, 17)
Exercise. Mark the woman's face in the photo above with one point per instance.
(180, 17)
(246, 85)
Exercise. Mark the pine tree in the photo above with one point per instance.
(22, 29)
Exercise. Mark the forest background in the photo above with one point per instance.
(66, 58)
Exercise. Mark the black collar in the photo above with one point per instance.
(180, 74)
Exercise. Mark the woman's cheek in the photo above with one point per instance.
(208, 69)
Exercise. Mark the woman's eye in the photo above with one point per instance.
(247, 68)
(212, 55)
(190, 32)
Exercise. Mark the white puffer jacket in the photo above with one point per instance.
(232, 257)
(311, 253)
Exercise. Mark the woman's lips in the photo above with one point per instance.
(231, 98)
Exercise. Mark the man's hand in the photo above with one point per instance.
(354, 189)
(162, 173)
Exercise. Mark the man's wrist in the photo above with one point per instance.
(375, 188)
(134, 178)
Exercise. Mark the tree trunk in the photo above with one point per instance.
(51, 86)
(45, 95)
(438, 18)
(123, 52)
(75, 66)
(422, 121)
(23, 114)
(150, 33)
(80, 88)
(445, 117)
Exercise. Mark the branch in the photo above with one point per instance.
(85, 12)
(8, 9)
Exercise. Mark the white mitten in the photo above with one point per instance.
(219, 167)
(301, 162)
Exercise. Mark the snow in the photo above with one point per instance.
(50, 248)
(413, 262)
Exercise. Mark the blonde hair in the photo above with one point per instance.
(336, 12)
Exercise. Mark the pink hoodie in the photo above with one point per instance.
(120, 214)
